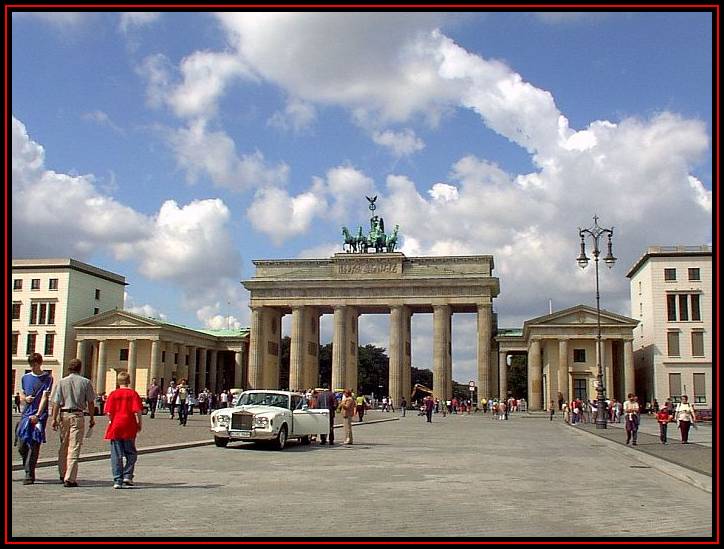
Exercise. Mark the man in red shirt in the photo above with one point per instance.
(123, 409)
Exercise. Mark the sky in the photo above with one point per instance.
(175, 148)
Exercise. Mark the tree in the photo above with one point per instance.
(518, 377)
(373, 370)
(284, 362)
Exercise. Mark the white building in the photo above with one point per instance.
(48, 297)
(671, 295)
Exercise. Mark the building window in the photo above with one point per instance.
(187, 360)
(49, 344)
(16, 338)
(699, 388)
(42, 313)
(96, 310)
(675, 387)
(683, 307)
(694, 274)
(175, 358)
(33, 313)
(580, 389)
(98, 293)
(163, 356)
(695, 309)
(16, 310)
(35, 284)
(18, 284)
(124, 355)
(671, 307)
(30, 348)
(53, 284)
(673, 341)
(579, 355)
(697, 343)
(51, 313)
(669, 274)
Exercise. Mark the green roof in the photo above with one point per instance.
(240, 332)
(510, 331)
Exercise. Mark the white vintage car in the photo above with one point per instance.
(268, 416)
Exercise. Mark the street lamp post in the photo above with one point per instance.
(595, 232)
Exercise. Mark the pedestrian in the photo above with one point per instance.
(202, 402)
(429, 404)
(384, 404)
(327, 400)
(152, 397)
(171, 397)
(17, 402)
(685, 418)
(124, 411)
(182, 396)
(361, 406)
(664, 417)
(552, 409)
(403, 405)
(566, 413)
(656, 406)
(443, 407)
(348, 409)
(631, 411)
(391, 404)
(224, 398)
(73, 394)
(30, 430)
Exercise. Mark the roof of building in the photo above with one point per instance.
(68, 263)
(668, 251)
(510, 332)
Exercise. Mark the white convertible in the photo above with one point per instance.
(268, 416)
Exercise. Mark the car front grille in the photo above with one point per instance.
(242, 421)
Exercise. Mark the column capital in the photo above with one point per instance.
(500, 352)
(441, 308)
(297, 307)
(485, 306)
(339, 307)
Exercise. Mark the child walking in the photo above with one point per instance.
(123, 409)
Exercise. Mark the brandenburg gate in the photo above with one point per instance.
(359, 282)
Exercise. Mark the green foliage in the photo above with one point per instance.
(518, 377)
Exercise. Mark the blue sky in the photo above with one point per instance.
(174, 148)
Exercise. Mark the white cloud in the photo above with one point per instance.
(444, 192)
(129, 304)
(281, 216)
(102, 119)
(297, 116)
(134, 19)
(213, 153)
(400, 144)
(63, 20)
(189, 246)
(158, 71)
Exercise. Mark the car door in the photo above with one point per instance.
(308, 421)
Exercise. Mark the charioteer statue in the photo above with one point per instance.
(376, 238)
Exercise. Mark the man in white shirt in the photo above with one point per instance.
(631, 411)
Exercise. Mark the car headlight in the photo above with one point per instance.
(262, 422)
(222, 421)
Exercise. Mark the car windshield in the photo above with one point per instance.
(264, 399)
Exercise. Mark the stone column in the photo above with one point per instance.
(202, 368)
(182, 371)
(562, 370)
(256, 351)
(296, 351)
(192, 369)
(213, 359)
(311, 349)
(102, 366)
(156, 360)
(339, 350)
(238, 367)
(448, 356)
(534, 376)
(271, 347)
(406, 353)
(484, 336)
(628, 368)
(440, 326)
(80, 353)
(132, 353)
(607, 362)
(395, 382)
(352, 360)
(168, 364)
(503, 372)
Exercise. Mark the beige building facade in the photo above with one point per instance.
(349, 285)
(671, 296)
(149, 348)
(562, 356)
(48, 297)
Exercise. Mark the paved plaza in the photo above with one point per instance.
(459, 476)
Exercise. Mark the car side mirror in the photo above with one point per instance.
(305, 407)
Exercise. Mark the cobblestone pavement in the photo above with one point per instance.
(458, 476)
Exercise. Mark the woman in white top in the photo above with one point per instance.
(685, 416)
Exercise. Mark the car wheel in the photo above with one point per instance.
(306, 440)
(281, 440)
(221, 442)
